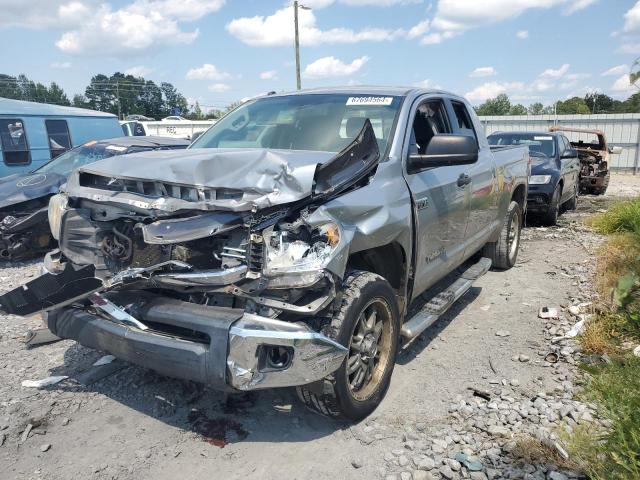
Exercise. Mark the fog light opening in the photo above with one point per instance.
(278, 358)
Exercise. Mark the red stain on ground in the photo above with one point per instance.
(216, 431)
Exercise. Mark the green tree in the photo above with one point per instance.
(173, 99)
(56, 95)
(9, 87)
(573, 106)
(518, 110)
(536, 108)
(501, 105)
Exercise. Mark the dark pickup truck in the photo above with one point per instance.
(285, 246)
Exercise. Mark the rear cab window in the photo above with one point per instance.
(15, 148)
(462, 120)
(58, 136)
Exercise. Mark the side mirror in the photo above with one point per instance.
(445, 150)
(615, 150)
(570, 153)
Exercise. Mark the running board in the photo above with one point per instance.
(439, 304)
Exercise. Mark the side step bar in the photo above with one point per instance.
(439, 304)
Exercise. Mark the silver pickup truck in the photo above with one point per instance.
(285, 246)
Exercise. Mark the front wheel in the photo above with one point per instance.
(504, 252)
(368, 324)
(551, 217)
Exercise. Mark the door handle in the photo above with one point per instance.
(464, 180)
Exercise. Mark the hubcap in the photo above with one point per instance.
(370, 348)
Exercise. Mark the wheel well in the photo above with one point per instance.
(519, 195)
(388, 261)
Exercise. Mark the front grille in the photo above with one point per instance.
(158, 189)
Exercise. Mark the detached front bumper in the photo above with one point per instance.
(221, 347)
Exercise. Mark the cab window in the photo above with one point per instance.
(15, 148)
(59, 137)
(462, 120)
(430, 120)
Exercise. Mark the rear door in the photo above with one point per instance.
(440, 199)
(484, 192)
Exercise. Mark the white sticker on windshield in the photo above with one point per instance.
(543, 138)
(116, 148)
(369, 100)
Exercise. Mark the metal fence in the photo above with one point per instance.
(622, 130)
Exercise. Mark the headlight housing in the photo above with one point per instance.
(298, 259)
(539, 179)
(57, 206)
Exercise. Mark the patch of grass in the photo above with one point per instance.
(598, 338)
(618, 257)
(621, 217)
(613, 454)
(534, 452)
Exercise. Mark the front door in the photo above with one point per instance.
(440, 199)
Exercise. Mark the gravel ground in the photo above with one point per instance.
(135, 424)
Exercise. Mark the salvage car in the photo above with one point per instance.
(24, 198)
(284, 247)
(594, 154)
(555, 171)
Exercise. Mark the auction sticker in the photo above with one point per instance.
(369, 100)
(543, 138)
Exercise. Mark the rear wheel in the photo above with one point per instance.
(551, 217)
(504, 252)
(368, 323)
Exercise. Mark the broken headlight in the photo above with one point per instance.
(57, 206)
(297, 259)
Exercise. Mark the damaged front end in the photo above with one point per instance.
(24, 231)
(230, 296)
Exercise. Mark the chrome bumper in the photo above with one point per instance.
(227, 348)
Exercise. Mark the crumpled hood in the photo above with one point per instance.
(22, 187)
(265, 177)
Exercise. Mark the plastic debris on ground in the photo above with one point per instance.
(546, 312)
(45, 382)
(104, 360)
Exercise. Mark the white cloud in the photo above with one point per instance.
(60, 65)
(134, 29)
(483, 72)
(219, 87)
(319, 4)
(453, 17)
(632, 19)
(557, 73)
(139, 71)
(623, 85)
(617, 70)
(522, 34)
(276, 30)
(207, 72)
(629, 48)
(332, 67)
(492, 89)
(38, 14)
(269, 75)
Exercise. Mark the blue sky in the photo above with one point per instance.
(218, 51)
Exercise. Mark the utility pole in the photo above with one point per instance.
(297, 5)
(118, 97)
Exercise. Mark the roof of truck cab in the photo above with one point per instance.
(21, 108)
(364, 90)
(146, 141)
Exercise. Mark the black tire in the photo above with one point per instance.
(572, 203)
(551, 217)
(504, 252)
(335, 396)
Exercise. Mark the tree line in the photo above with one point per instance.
(591, 103)
(120, 94)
